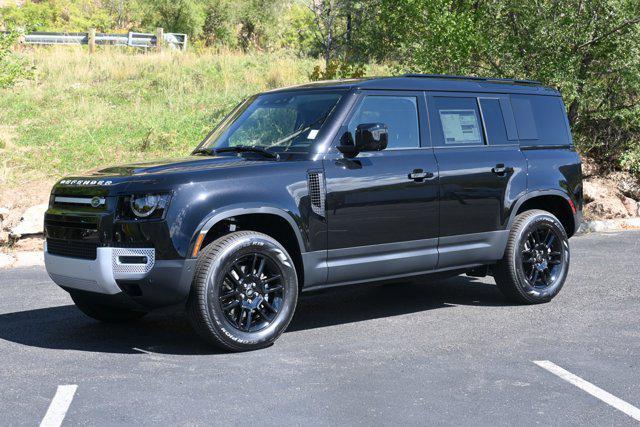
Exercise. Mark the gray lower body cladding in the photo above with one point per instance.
(400, 259)
(152, 283)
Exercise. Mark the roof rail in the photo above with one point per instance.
(484, 79)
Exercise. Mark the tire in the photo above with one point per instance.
(104, 313)
(244, 291)
(536, 260)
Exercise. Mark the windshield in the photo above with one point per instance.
(278, 122)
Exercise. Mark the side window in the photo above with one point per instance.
(494, 121)
(399, 113)
(541, 120)
(458, 121)
(523, 113)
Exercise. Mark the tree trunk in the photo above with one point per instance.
(329, 41)
(581, 77)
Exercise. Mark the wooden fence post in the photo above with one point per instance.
(159, 39)
(22, 35)
(91, 35)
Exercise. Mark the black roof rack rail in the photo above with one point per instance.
(483, 79)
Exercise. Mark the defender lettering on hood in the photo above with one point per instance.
(85, 182)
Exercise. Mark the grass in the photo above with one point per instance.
(82, 111)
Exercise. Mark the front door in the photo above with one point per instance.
(382, 207)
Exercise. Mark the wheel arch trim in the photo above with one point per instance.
(540, 193)
(244, 209)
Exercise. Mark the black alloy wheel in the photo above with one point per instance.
(536, 260)
(542, 256)
(251, 294)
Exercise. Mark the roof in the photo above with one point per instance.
(433, 82)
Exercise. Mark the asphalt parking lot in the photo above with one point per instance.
(446, 352)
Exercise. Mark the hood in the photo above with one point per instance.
(148, 175)
(167, 166)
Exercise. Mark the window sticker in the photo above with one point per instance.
(313, 133)
(460, 127)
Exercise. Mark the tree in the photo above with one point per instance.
(333, 25)
(257, 21)
(176, 16)
(218, 23)
(588, 49)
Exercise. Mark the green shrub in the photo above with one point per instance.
(59, 15)
(631, 159)
(12, 66)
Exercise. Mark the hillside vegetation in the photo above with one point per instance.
(82, 111)
(590, 50)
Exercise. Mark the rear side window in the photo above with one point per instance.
(494, 121)
(459, 121)
(399, 113)
(541, 120)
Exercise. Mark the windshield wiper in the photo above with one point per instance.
(246, 149)
(302, 130)
(205, 151)
(236, 149)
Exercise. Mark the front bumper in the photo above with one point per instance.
(146, 281)
(99, 275)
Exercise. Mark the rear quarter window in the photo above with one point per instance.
(540, 120)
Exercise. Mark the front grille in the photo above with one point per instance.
(91, 203)
(72, 220)
(69, 224)
(72, 248)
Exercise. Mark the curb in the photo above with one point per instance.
(21, 259)
(608, 225)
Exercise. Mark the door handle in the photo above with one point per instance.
(419, 175)
(501, 170)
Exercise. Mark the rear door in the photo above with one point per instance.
(382, 207)
(482, 171)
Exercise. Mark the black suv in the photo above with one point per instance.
(324, 185)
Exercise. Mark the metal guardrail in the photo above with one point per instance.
(142, 40)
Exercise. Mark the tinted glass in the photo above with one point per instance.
(399, 113)
(494, 121)
(279, 122)
(458, 121)
(541, 120)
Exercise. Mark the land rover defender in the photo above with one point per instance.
(323, 185)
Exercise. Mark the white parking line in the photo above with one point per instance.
(59, 406)
(593, 390)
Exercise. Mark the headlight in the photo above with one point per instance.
(144, 206)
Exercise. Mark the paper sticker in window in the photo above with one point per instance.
(460, 127)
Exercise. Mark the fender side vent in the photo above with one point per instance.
(316, 191)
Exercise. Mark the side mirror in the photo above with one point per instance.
(369, 137)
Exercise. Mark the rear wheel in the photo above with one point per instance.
(244, 292)
(105, 313)
(536, 260)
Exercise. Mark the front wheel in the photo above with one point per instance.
(536, 260)
(244, 292)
